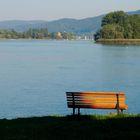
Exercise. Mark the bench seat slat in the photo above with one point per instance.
(99, 106)
(97, 100)
(95, 96)
(124, 107)
(94, 93)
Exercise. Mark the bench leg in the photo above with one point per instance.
(118, 111)
(73, 111)
(121, 111)
(78, 111)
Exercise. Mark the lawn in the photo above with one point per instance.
(92, 127)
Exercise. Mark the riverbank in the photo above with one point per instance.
(1, 39)
(71, 128)
(119, 41)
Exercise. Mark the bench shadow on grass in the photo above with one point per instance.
(86, 127)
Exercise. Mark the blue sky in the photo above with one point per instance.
(55, 9)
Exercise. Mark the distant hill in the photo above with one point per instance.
(77, 26)
(134, 12)
(81, 26)
(69, 25)
(21, 25)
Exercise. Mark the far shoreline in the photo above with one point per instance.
(33, 39)
(119, 41)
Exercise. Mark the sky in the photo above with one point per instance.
(55, 9)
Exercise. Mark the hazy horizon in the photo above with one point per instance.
(59, 18)
(49, 10)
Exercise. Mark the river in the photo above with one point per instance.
(35, 74)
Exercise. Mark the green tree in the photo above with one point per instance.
(119, 25)
(112, 31)
(135, 24)
(118, 17)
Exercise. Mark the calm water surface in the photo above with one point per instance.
(34, 75)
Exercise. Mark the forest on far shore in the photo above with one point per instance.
(119, 25)
(35, 34)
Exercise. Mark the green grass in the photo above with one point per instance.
(89, 127)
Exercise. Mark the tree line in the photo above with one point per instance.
(119, 25)
(35, 34)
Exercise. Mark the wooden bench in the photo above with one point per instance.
(96, 100)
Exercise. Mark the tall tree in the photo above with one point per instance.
(119, 25)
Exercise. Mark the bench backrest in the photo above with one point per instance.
(97, 100)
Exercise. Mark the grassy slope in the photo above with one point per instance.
(71, 128)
